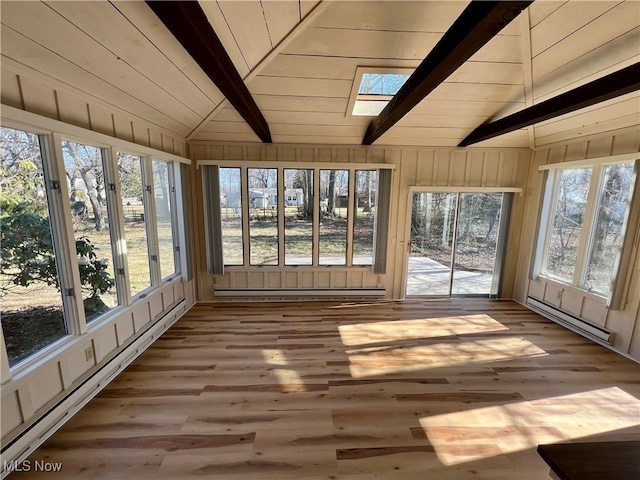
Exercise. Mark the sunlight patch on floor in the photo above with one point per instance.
(376, 361)
(519, 426)
(420, 328)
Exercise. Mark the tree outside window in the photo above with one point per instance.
(30, 298)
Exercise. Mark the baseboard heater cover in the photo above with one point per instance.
(17, 450)
(573, 323)
(300, 292)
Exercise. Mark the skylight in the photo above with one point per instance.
(375, 90)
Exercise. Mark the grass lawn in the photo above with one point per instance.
(32, 316)
(263, 236)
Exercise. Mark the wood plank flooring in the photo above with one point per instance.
(446, 389)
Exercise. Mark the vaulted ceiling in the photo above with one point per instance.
(298, 60)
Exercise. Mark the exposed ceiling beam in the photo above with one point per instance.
(189, 24)
(477, 24)
(610, 86)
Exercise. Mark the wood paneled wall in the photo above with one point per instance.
(413, 167)
(44, 96)
(625, 323)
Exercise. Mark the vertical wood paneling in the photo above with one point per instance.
(594, 311)
(572, 302)
(490, 169)
(475, 168)
(178, 291)
(324, 155)
(45, 385)
(553, 294)
(140, 133)
(102, 121)
(25, 399)
(441, 167)
(599, 148)
(324, 280)
(458, 169)
(125, 328)
(168, 297)
(11, 94)
(340, 280)
(38, 98)
(75, 364)
(105, 342)
(155, 306)
(141, 316)
(627, 142)
(425, 167)
(73, 110)
(308, 279)
(11, 414)
(274, 279)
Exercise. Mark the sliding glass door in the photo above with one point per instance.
(457, 241)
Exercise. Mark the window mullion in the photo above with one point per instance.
(555, 180)
(62, 232)
(244, 188)
(280, 209)
(175, 230)
(351, 200)
(586, 233)
(116, 226)
(150, 222)
(316, 217)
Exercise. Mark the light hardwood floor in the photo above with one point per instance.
(446, 389)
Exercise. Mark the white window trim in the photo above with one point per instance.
(297, 165)
(591, 162)
(20, 119)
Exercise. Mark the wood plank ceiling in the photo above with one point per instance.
(299, 59)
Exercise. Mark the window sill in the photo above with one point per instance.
(597, 297)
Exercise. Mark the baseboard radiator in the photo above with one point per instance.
(298, 293)
(24, 445)
(578, 325)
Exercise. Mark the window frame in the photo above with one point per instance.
(153, 225)
(549, 202)
(316, 167)
(357, 80)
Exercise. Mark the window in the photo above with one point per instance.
(163, 188)
(298, 217)
(334, 201)
(364, 214)
(613, 198)
(231, 216)
(373, 89)
(31, 303)
(80, 231)
(263, 215)
(585, 232)
(88, 190)
(310, 226)
(130, 168)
